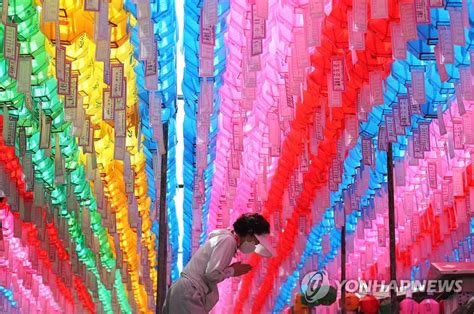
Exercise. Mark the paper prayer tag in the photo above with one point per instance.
(64, 87)
(379, 9)
(92, 5)
(418, 85)
(408, 20)
(107, 106)
(337, 71)
(13, 64)
(422, 12)
(120, 103)
(50, 11)
(60, 62)
(120, 125)
(24, 74)
(258, 25)
(9, 128)
(85, 133)
(45, 131)
(117, 80)
(10, 41)
(5, 12)
(70, 101)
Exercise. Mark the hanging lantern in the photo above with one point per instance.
(369, 304)
(351, 302)
(300, 307)
(429, 306)
(408, 306)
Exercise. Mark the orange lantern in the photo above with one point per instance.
(351, 302)
(300, 308)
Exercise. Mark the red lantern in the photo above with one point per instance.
(369, 304)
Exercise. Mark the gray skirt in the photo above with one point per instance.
(184, 297)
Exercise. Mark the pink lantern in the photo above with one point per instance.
(429, 306)
(409, 306)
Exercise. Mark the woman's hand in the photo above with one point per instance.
(240, 269)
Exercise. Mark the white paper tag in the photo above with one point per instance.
(258, 25)
(418, 85)
(437, 3)
(424, 128)
(337, 71)
(151, 66)
(432, 175)
(458, 134)
(404, 110)
(446, 45)
(418, 152)
(457, 27)
(378, 9)
(408, 21)
(382, 139)
(209, 12)
(145, 29)
(120, 125)
(92, 5)
(24, 74)
(422, 11)
(9, 41)
(21, 141)
(376, 88)
(399, 129)
(5, 12)
(70, 101)
(58, 163)
(50, 11)
(414, 107)
(101, 30)
(367, 151)
(117, 80)
(64, 87)
(313, 30)
(301, 52)
(120, 103)
(13, 64)
(107, 106)
(334, 97)
(9, 128)
(60, 62)
(466, 82)
(360, 17)
(45, 131)
(316, 8)
(390, 128)
(442, 126)
(85, 133)
(102, 52)
(399, 44)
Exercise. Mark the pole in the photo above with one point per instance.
(391, 226)
(343, 266)
(163, 229)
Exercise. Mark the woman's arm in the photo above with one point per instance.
(218, 266)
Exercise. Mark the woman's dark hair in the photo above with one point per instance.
(250, 224)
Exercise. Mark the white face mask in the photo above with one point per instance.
(247, 247)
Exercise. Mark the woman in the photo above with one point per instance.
(196, 291)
